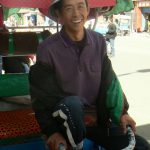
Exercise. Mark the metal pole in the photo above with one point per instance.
(1, 64)
(57, 26)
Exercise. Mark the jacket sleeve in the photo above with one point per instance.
(112, 102)
(45, 94)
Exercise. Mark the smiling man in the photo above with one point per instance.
(75, 92)
(73, 15)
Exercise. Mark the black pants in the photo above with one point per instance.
(69, 114)
(111, 142)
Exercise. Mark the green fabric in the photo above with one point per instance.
(9, 11)
(18, 17)
(114, 101)
(40, 38)
(121, 6)
(14, 85)
(14, 11)
(19, 139)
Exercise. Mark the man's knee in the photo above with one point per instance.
(74, 103)
(70, 106)
(69, 114)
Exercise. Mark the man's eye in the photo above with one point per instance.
(81, 6)
(68, 9)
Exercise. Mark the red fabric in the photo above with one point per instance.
(18, 123)
(26, 3)
(46, 3)
(1, 17)
(101, 3)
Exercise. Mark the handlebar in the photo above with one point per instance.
(132, 140)
(61, 147)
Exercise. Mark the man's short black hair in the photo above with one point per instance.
(58, 5)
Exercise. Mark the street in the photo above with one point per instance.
(132, 66)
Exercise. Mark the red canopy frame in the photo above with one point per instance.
(46, 3)
(1, 17)
(43, 5)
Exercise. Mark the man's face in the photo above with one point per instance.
(74, 14)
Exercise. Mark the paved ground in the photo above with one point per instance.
(132, 65)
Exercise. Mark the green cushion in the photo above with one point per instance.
(14, 85)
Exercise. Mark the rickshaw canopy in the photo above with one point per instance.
(46, 3)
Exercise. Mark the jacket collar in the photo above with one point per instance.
(68, 42)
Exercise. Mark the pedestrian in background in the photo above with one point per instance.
(111, 35)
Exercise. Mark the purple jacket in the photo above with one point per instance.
(77, 74)
(61, 71)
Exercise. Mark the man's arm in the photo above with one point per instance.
(45, 94)
(112, 101)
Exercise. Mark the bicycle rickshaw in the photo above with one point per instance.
(18, 126)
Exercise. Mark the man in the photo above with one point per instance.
(75, 92)
(111, 35)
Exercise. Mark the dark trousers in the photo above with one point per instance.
(110, 142)
(70, 115)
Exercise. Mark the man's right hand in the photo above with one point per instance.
(55, 140)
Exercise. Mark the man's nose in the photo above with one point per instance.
(76, 11)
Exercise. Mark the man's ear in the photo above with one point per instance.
(88, 9)
(59, 17)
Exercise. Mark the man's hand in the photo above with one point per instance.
(55, 140)
(127, 120)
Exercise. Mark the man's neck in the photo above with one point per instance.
(75, 36)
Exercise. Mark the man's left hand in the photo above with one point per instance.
(127, 120)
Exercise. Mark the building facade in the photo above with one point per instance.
(141, 15)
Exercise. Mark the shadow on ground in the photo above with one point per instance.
(138, 71)
(144, 130)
